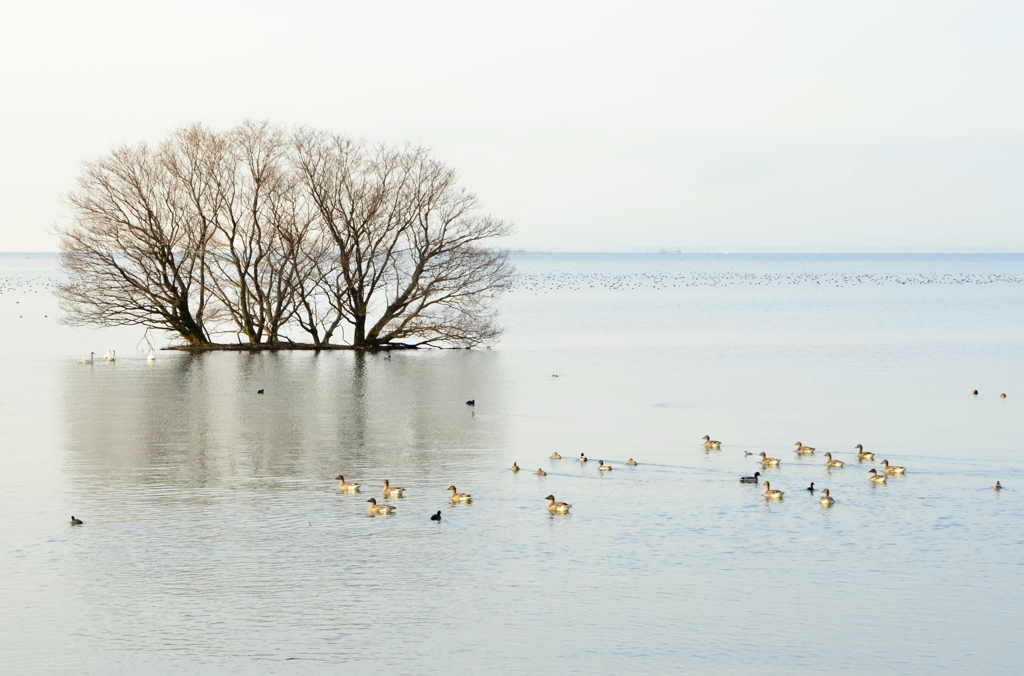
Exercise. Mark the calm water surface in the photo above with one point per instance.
(215, 538)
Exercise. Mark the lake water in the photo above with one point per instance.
(216, 540)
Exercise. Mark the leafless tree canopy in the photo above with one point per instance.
(261, 233)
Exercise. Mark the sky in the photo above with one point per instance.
(732, 125)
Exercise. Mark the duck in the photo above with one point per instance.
(750, 479)
(829, 462)
(457, 497)
(111, 355)
(810, 489)
(557, 507)
(892, 469)
(436, 517)
(1003, 395)
(151, 356)
(556, 456)
(631, 462)
(710, 443)
(392, 491)
(346, 486)
(974, 392)
(92, 356)
(770, 494)
(997, 487)
(862, 454)
(803, 450)
(603, 467)
(76, 522)
(768, 462)
(826, 501)
(875, 477)
(541, 472)
(583, 458)
(515, 468)
(374, 509)
(471, 402)
(747, 453)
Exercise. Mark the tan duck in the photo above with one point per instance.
(875, 477)
(892, 469)
(862, 454)
(711, 444)
(603, 467)
(829, 462)
(345, 486)
(632, 462)
(541, 472)
(770, 494)
(392, 491)
(803, 450)
(557, 507)
(825, 500)
(377, 510)
(583, 458)
(768, 462)
(457, 497)
(997, 487)
(515, 468)
(555, 456)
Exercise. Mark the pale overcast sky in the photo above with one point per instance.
(712, 125)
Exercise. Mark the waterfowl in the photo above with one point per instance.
(1003, 395)
(770, 494)
(746, 453)
(997, 487)
(803, 450)
(632, 462)
(826, 501)
(750, 479)
(515, 468)
(471, 402)
(603, 467)
(583, 458)
(709, 443)
(346, 486)
(92, 355)
(392, 491)
(768, 462)
(436, 517)
(975, 392)
(79, 522)
(459, 497)
(892, 469)
(374, 509)
(556, 456)
(862, 454)
(541, 472)
(557, 507)
(111, 355)
(152, 355)
(810, 489)
(829, 462)
(876, 477)
(259, 391)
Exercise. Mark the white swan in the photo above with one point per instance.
(110, 355)
(152, 356)
(92, 355)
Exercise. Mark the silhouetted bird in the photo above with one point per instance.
(471, 402)
(811, 487)
(436, 517)
(76, 522)
(259, 391)
(974, 391)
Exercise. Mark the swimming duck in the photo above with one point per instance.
(997, 487)
(1003, 395)
(768, 462)
(583, 458)
(459, 497)
(803, 450)
(862, 454)
(557, 507)
(826, 501)
(346, 486)
(829, 462)
(555, 456)
(541, 472)
(892, 469)
(810, 489)
(436, 517)
(750, 479)
(515, 468)
(632, 462)
(713, 445)
(374, 509)
(746, 453)
(876, 477)
(92, 355)
(392, 491)
(79, 522)
(770, 494)
(974, 392)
